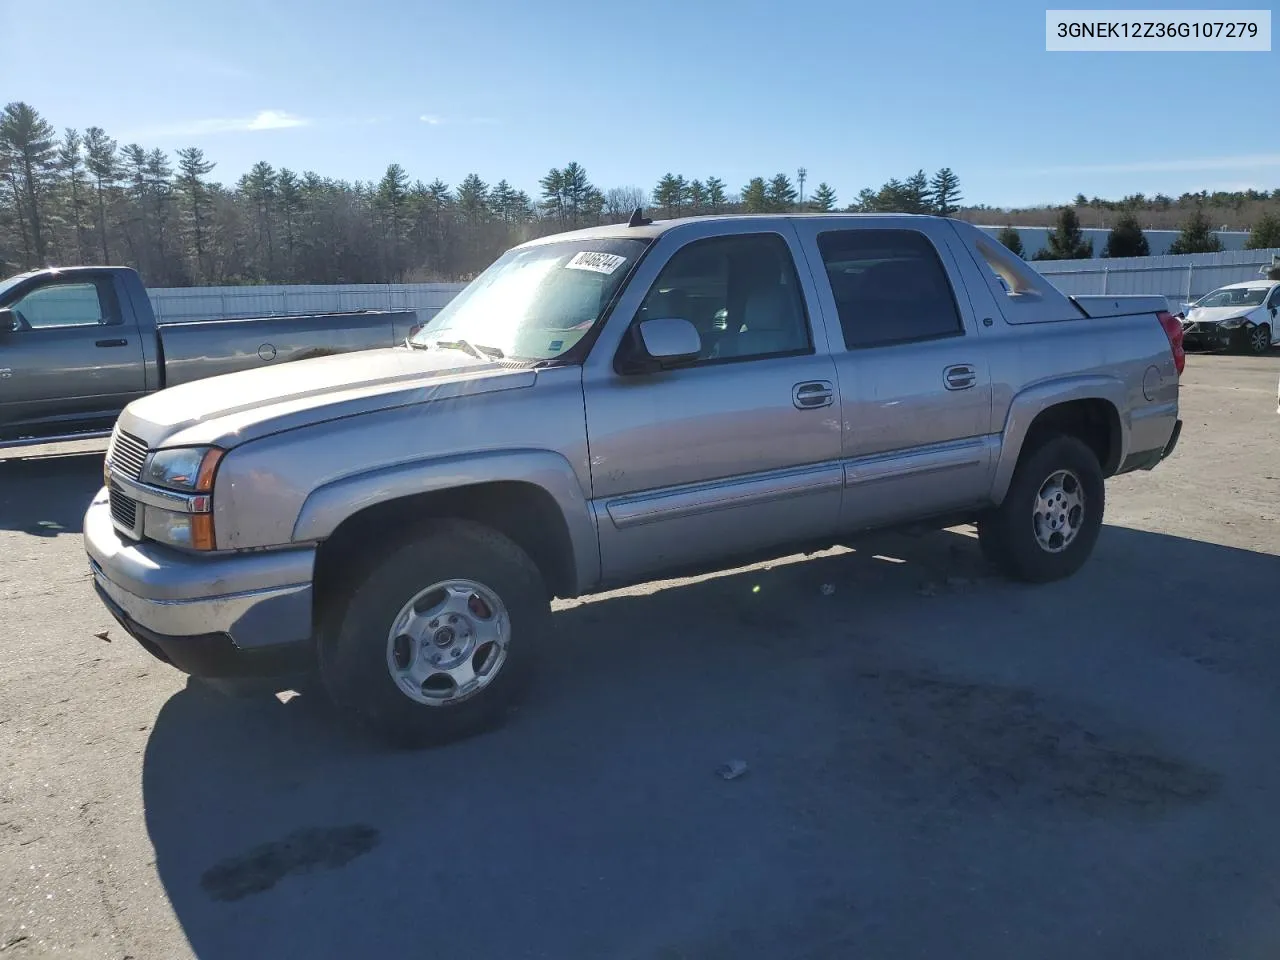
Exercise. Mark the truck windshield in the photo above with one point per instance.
(1233, 297)
(535, 303)
(12, 282)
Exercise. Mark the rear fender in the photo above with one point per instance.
(1034, 400)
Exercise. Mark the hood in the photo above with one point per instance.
(1218, 314)
(237, 407)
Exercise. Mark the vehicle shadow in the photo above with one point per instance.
(937, 762)
(47, 496)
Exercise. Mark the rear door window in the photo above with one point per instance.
(889, 287)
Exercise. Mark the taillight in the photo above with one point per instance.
(1173, 330)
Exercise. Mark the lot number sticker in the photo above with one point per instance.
(596, 262)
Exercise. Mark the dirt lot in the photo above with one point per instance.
(939, 763)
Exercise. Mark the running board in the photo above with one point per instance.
(59, 438)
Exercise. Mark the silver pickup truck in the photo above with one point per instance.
(78, 344)
(606, 407)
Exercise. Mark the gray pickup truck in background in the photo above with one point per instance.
(607, 407)
(78, 344)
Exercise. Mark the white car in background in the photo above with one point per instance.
(1239, 316)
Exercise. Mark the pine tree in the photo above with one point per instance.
(868, 201)
(27, 148)
(71, 164)
(553, 196)
(192, 169)
(289, 191)
(668, 195)
(780, 195)
(1126, 238)
(916, 193)
(717, 199)
(824, 198)
(259, 185)
(1066, 241)
(1196, 236)
(160, 192)
(473, 200)
(390, 200)
(697, 196)
(945, 187)
(755, 197)
(894, 197)
(1012, 240)
(1265, 233)
(104, 166)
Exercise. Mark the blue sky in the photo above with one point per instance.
(854, 93)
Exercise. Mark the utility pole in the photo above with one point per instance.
(801, 174)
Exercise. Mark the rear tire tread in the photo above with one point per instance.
(1005, 533)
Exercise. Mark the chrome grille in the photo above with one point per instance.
(124, 511)
(126, 455)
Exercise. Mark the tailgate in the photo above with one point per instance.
(1097, 307)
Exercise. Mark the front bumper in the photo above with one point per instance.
(222, 615)
(1209, 336)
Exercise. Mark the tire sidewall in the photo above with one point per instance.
(353, 656)
(1018, 544)
(1254, 349)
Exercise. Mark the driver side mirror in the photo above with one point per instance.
(9, 322)
(663, 343)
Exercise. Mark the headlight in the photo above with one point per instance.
(189, 522)
(1233, 324)
(189, 469)
(190, 531)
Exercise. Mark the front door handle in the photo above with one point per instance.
(960, 377)
(113, 343)
(813, 394)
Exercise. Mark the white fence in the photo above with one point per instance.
(185, 304)
(1177, 278)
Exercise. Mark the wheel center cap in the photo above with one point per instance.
(444, 637)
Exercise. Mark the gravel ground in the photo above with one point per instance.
(939, 763)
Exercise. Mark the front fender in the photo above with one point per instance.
(327, 506)
(1034, 400)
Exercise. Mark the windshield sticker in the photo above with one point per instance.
(604, 263)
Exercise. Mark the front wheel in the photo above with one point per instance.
(1047, 525)
(1260, 339)
(437, 635)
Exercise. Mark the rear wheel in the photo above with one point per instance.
(436, 637)
(1047, 525)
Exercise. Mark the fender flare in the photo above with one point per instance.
(328, 506)
(1034, 400)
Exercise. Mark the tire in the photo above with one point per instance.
(360, 662)
(1009, 533)
(1259, 340)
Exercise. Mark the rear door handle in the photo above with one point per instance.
(113, 343)
(812, 394)
(960, 377)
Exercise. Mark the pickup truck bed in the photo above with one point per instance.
(78, 345)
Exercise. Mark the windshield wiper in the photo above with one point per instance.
(479, 351)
